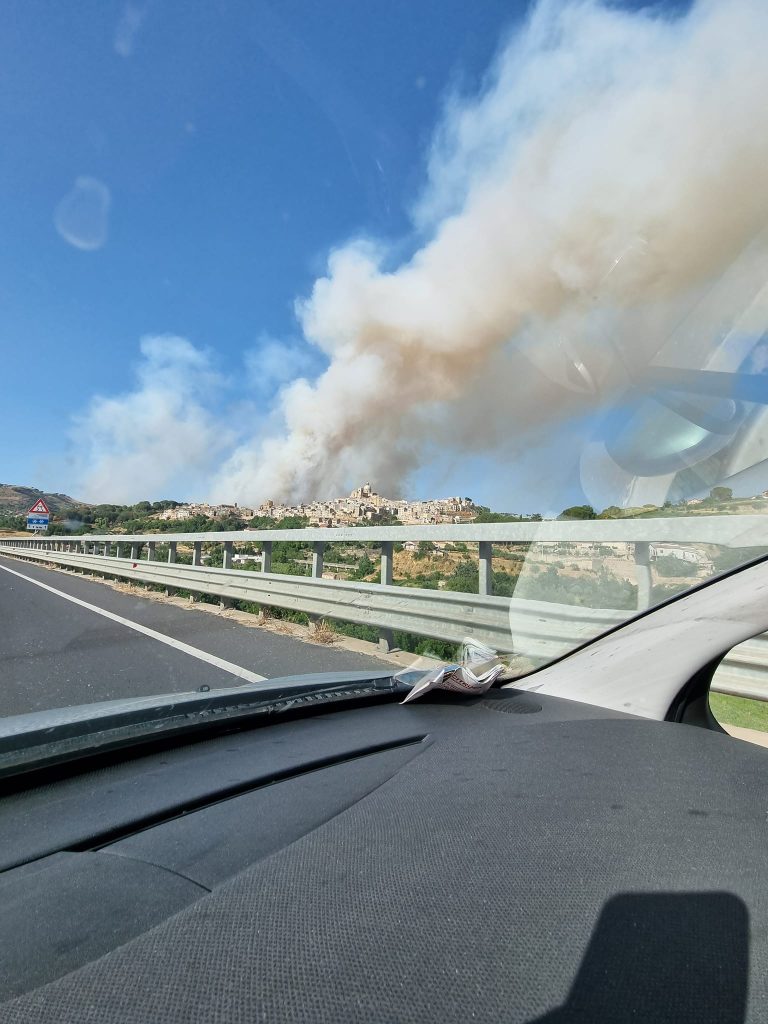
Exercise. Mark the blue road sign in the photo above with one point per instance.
(37, 520)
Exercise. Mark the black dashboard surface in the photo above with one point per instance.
(439, 861)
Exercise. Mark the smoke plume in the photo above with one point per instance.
(612, 162)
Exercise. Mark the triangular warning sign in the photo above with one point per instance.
(39, 509)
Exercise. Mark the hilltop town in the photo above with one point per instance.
(363, 505)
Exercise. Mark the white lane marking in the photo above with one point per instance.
(195, 652)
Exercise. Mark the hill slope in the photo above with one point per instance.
(15, 500)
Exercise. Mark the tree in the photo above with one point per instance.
(364, 568)
(671, 565)
(612, 512)
(424, 549)
(578, 512)
(465, 578)
(484, 515)
(721, 494)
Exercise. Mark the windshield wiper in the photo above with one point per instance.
(45, 738)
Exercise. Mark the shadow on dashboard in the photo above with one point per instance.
(663, 957)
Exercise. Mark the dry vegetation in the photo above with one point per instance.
(321, 633)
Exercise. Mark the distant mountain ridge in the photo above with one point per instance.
(15, 500)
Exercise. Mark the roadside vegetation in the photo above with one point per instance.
(739, 711)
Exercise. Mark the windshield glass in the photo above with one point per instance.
(338, 335)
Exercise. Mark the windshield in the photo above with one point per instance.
(339, 337)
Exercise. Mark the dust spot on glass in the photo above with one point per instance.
(82, 216)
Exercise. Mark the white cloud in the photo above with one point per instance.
(158, 439)
(82, 216)
(127, 29)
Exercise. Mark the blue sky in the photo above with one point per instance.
(175, 175)
(238, 142)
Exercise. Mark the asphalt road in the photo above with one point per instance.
(55, 652)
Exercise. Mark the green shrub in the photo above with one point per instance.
(669, 565)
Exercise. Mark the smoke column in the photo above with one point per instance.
(613, 162)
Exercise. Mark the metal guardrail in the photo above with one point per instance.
(728, 531)
(732, 531)
(744, 670)
(537, 630)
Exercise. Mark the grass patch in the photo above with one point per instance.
(739, 711)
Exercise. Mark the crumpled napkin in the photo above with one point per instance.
(479, 669)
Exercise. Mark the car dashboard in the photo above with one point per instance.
(517, 857)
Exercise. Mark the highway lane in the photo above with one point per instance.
(57, 653)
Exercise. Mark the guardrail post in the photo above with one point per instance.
(317, 559)
(386, 563)
(151, 545)
(119, 550)
(172, 544)
(197, 559)
(107, 548)
(485, 555)
(266, 556)
(134, 551)
(226, 563)
(643, 573)
(226, 560)
(386, 637)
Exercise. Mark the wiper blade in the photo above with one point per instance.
(44, 738)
